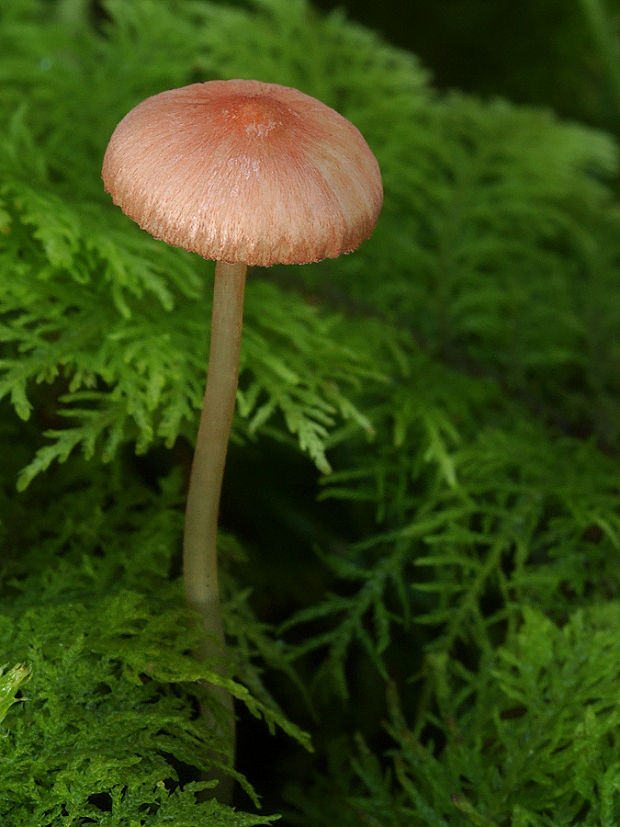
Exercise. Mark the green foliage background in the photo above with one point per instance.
(421, 527)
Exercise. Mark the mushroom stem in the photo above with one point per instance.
(205, 485)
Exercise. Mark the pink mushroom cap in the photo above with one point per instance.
(244, 171)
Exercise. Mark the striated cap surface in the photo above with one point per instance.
(244, 171)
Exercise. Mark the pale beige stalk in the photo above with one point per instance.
(205, 484)
(203, 499)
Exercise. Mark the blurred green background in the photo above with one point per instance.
(554, 53)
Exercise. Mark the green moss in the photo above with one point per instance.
(422, 530)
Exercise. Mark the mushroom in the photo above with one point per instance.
(246, 173)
